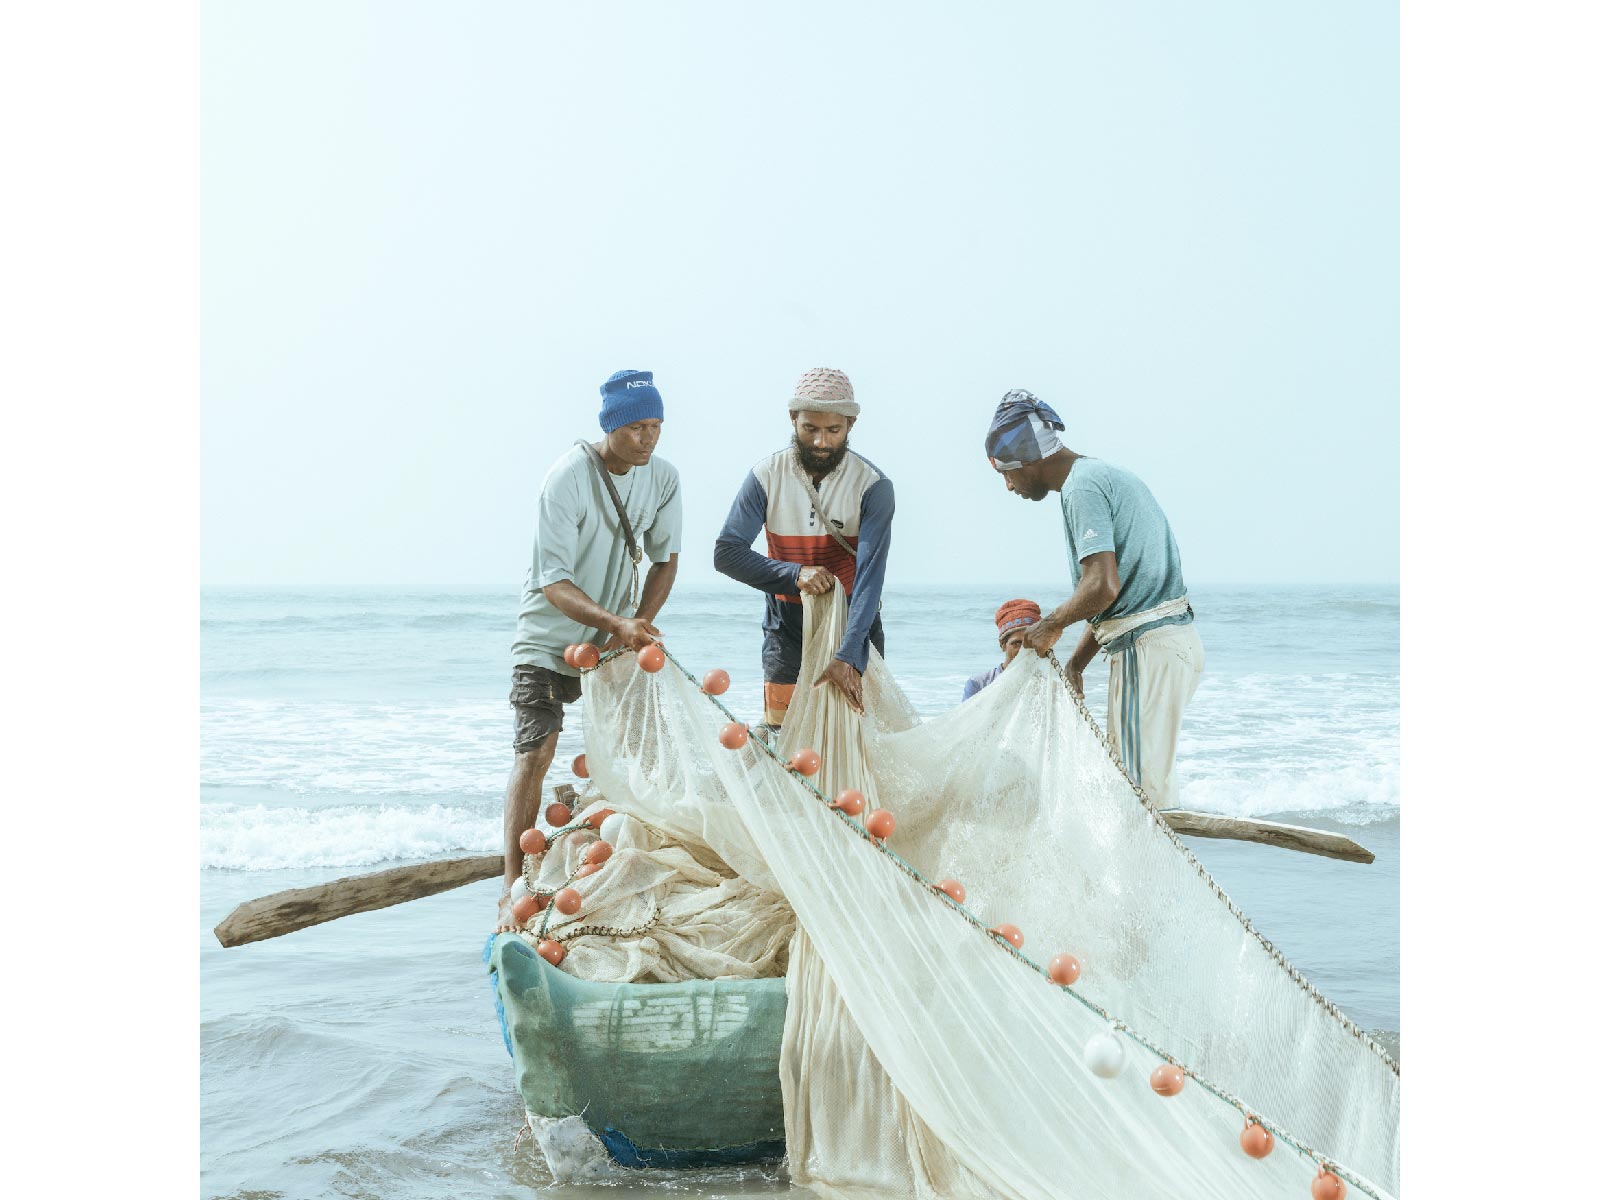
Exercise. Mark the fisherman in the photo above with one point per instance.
(827, 512)
(1012, 618)
(584, 581)
(1128, 586)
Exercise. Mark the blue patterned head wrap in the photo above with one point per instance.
(1023, 431)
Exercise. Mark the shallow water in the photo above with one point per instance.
(351, 730)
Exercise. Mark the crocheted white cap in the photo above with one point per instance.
(822, 389)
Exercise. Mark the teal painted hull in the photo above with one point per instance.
(666, 1074)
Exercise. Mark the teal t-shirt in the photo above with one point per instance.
(1107, 508)
(578, 537)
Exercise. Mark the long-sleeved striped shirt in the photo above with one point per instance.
(859, 499)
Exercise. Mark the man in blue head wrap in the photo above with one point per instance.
(1127, 585)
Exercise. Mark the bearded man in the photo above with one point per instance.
(827, 513)
(1128, 587)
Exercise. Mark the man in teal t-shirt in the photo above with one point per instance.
(583, 586)
(1127, 585)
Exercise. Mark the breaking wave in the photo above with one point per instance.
(261, 837)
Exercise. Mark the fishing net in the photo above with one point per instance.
(665, 909)
(923, 1056)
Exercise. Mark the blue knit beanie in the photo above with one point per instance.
(629, 396)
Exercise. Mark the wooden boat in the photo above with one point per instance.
(665, 1074)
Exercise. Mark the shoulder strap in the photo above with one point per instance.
(616, 500)
(816, 502)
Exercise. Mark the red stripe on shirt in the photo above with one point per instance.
(818, 551)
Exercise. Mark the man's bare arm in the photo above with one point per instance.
(634, 632)
(1081, 658)
(657, 587)
(1098, 586)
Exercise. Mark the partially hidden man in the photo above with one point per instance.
(1012, 619)
(583, 585)
(1128, 587)
(827, 513)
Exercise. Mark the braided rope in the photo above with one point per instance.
(1216, 889)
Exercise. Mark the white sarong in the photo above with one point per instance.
(1152, 681)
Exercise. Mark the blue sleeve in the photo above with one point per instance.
(734, 557)
(971, 689)
(872, 561)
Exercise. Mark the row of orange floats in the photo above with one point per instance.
(567, 901)
(1103, 1053)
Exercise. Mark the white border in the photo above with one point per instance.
(1499, 323)
(100, 326)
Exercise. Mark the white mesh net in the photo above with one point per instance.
(921, 1055)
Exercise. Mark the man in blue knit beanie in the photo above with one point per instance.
(583, 585)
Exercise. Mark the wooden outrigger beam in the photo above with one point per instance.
(1267, 833)
(299, 908)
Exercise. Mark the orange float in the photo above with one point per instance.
(552, 951)
(586, 870)
(558, 814)
(652, 658)
(1256, 1141)
(1064, 969)
(586, 657)
(568, 901)
(806, 761)
(734, 735)
(716, 682)
(566, 655)
(580, 766)
(525, 910)
(1327, 1186)
(597, 853)
(953, 889)
(532, 841)
(597, 818)
(880, 823)
(1011, 934)
(1166, 1080)
(850, 802)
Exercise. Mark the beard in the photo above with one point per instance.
(820, 462)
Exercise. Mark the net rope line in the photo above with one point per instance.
(1277, 955)
(1250, 1114)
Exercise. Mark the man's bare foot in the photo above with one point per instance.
(506, 923)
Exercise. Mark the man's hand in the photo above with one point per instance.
(633, 632)
(844, 677)
(1075, 678)
(814, 581)
(1040, 637)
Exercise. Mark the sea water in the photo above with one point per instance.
(347, 730)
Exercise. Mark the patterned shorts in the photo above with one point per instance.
(538, 699)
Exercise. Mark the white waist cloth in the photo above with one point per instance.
(1151, 684)
(1108, 631)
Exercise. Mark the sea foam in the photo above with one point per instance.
(260, 837)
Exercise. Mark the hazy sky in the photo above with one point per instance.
(431, 230)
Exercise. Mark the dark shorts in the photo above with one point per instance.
(538, 697)
(780, 647)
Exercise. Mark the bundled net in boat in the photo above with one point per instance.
(922, 1055)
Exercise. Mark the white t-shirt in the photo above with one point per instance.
(578, 537)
